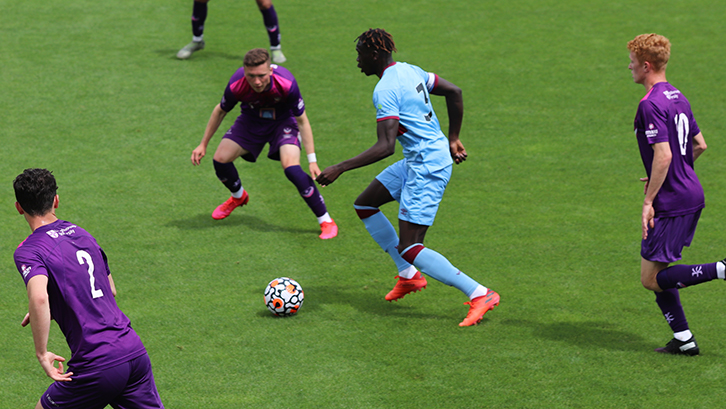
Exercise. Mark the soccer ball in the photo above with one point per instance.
(284, 296)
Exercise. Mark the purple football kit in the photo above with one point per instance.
(664, 115)
(98, 333)
(266, 117)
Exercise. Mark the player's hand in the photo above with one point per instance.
(314, 169)
(329, 175)
(48, 360)
(458, 153)
(645, 189)
(197, 154)
(647, 219)
(25, 320)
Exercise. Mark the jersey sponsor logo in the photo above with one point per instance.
(63, 232)
(267, 113)
(300, 104)
(26, 270)
(671, 94)
(651, 132)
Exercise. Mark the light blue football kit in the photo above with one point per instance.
(419, 180)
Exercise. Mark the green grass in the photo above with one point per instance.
(545, 211)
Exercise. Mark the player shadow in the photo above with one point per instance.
(200, 55)
(369, 301)
(587, 334)
(205, 221)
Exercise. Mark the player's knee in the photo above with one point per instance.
(650, 283)
(220, 157)
(263, 4)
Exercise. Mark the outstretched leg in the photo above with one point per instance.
(437, 266)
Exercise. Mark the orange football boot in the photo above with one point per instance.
(224, 210)
(406, 285)
(478, 307)
(329, 229)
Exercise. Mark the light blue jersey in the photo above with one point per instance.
(403, 93)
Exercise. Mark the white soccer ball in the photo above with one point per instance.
(284, 296)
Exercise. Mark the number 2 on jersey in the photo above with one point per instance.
(85, 258)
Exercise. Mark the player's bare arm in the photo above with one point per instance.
(699, 146)
(662, 157)
(306, 134)
(39, 315)
(455, 110)
(215, 120)
(113, 285)
(384, 147)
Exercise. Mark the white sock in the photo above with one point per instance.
(197, 39)
(408, 273)
(324, 218)
(683, 336)
(238, 194)
(481, 290)
(721, 270)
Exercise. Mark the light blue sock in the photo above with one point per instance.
(382, 232)
(437, 266)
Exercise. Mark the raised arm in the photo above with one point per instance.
(455, 111)
(384, 147)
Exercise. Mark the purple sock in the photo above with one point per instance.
(681, 275)
(199, 15)
(269, 17)
(227, 174)
(669, 302)
(309, 192)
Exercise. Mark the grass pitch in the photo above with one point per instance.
(545, 211)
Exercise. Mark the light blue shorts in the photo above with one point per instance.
(417, 190)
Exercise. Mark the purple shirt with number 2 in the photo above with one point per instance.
(81, 302)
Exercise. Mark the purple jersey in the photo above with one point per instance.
(279, 101)
(81, 301)
(664, 115)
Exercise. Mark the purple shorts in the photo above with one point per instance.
(668, 236)
(252, 135)
(124, 386)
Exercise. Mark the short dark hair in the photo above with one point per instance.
(377, 39)
(35, 190)
(255, 57)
